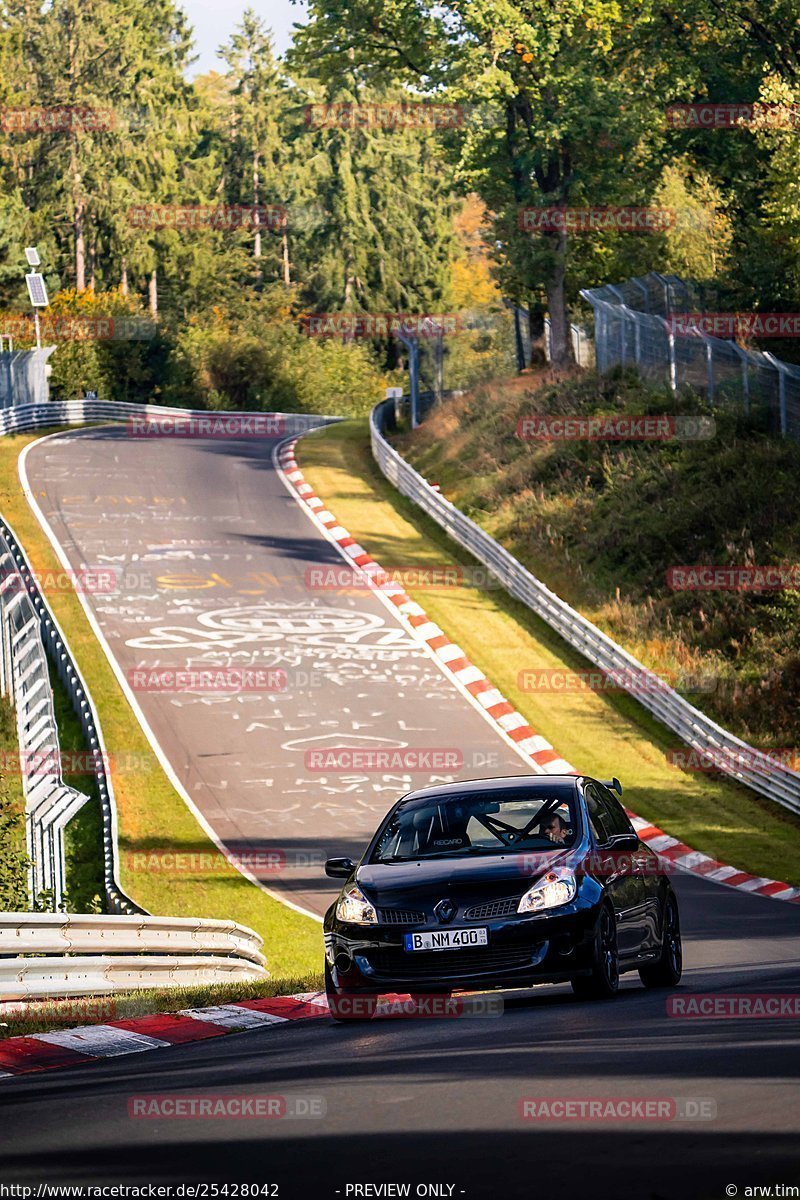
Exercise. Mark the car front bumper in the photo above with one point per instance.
(521, 951)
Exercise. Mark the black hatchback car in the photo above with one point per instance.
(502, 883)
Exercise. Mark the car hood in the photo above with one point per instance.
(496, 874)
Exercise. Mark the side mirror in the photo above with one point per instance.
(623, 841)
(339, 868)
(613, 785)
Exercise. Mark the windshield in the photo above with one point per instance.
(480, 823)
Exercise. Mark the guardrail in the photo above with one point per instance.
(50, 803)
(730, 754)
(60, 954)
(26, 417)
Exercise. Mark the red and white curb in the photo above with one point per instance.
(91, 1043)
(697, 863)
(542, 756)
(533, 747)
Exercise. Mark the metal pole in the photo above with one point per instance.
(744, 358)
(709, 368)
(673, 365)
(38, 329)
(518, 341)
(781, 369)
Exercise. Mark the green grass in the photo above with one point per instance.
(147, 803)
(601, 523)
(13, 850)
(40, 1016)
(83, 836)
(600, 734)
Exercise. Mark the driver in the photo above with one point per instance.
(556, 829)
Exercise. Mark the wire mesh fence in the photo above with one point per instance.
(636, 325)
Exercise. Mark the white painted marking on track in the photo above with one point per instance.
(103, 1041)
(130, 695)
(232, 1017)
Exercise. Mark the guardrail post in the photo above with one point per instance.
(673, 363)
(709, 368)
(780, 367)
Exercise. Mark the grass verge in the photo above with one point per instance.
(41, 1016)
(13, 850)
(600, 734)
(152, 816)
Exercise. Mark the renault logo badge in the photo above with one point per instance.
(445, 910)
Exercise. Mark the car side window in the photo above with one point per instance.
(614, 817)
(595, 812)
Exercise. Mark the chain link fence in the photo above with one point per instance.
(24, 376)
(633, 328)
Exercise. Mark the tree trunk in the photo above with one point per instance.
(93, 266)
(256, 194)
(123, 283)
(80, 249)
(536, 333)
(153, 294)
(287, 270)
(561, 354)
(78, 200)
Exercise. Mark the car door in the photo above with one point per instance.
(646, 865)
(624, 882)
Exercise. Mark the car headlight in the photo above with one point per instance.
(354, 908)
(551, 891)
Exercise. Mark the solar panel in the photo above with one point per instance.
(37, 290)
(32, 255)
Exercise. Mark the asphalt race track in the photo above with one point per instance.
(424, 1102)
(216, 565)
(437, 1101)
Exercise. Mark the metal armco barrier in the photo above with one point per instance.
(49, 803)
(29, 623)
(49, 808)
(26, 417)
(94, 955)
(732, 756)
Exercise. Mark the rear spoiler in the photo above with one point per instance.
(614, 785)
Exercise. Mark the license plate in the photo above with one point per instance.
(447, 939)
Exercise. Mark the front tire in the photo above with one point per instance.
(345, 1007)
(603, 982)
(667, 970)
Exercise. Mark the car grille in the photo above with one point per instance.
(438, 964)
(494, 908)
(401, 916)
